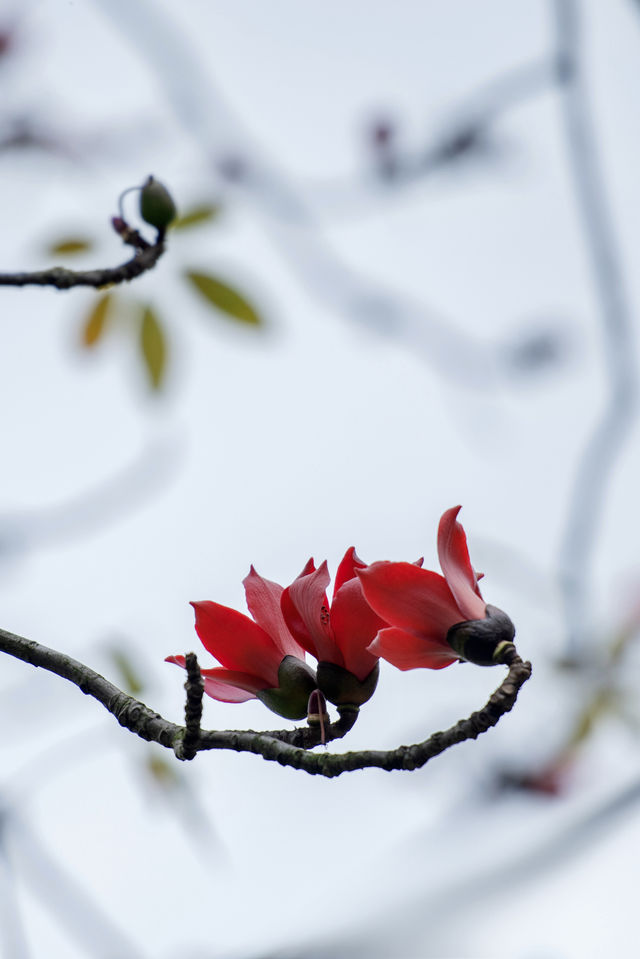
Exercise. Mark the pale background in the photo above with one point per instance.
(385, 388)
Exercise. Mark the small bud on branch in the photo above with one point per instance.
(146, 254)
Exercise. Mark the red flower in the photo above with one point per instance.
(337, 635)
(422, 606)
(261, 659)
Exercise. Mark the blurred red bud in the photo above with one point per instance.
(6, 41)
(382, 132)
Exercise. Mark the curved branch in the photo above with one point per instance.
(287, 747)
(145, 259)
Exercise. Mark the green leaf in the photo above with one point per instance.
(69, 246)
(197, 215)
(153, 345)
(96, 322)
(224, 297)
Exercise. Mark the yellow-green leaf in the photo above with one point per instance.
(160, 770)
(129, 676)
(153, 345)
(196, 215)
(70, 245)
(224, 297)
(96, 322)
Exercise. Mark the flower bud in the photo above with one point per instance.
(119, 225)
(156, 204)
(342, 688)
(290, 698)
(483, 641)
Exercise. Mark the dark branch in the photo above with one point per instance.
(194, 687)
(63, 279)
(145, 258)
(129, 712)
(287, 747)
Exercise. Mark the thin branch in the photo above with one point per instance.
(144, 259)
(613, 426)
(287, 747)
(63, 279)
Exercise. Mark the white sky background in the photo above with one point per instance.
(316, 436)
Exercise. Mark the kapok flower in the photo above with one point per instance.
(338, 634)
(260, 658)
(435, 620)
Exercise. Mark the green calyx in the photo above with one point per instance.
(484, 642)
(290, 698)
(342, 688)
(156, 204)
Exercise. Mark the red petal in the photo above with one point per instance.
(412, 598)
(263, 600)
(456, 566)
(407, 651)
(295, 623)
(237, 642)
(229, 686)
(309, 619)
(354, 626)
(292, 617)
(238, 691)
(346, 570)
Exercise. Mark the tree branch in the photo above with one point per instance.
(287, 747)
(194, 687)
(145, 258)
(64, 279)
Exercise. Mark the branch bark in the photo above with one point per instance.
(286, 747)
(145, 259)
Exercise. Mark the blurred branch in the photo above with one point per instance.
(612, 429)
(444, 904)
(465, 134)
(105, 502)
(21, 134)
(13, 939)
(144, 259)
(246, 168)
(287, 747)
(68, 900)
